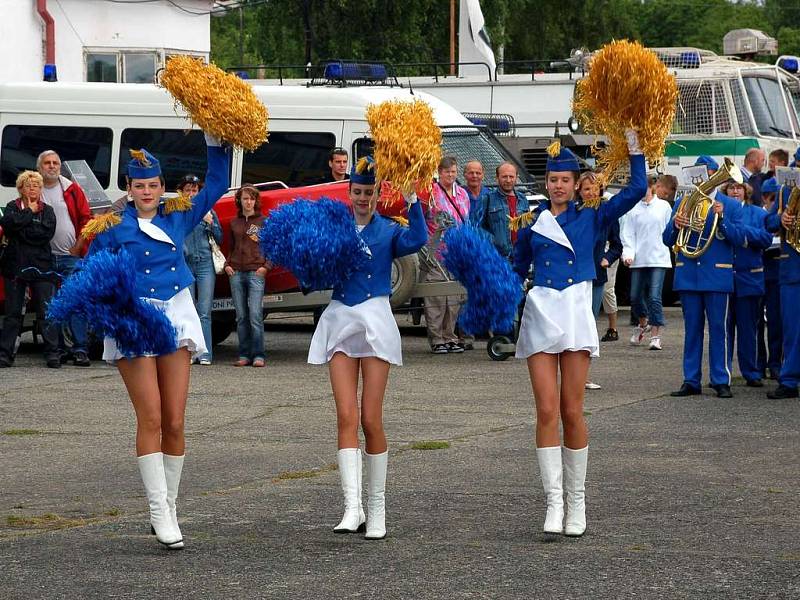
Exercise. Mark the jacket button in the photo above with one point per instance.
(549, 281)
(173, 248)
(147, 271)
(152, 290)
(569, 280)
(569, 262)
(547, 263)
(172, 268)
(369, 276)
(547, 245)
(176, 288)
(369, 295)
(147, 252)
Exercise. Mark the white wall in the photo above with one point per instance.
(95, 24)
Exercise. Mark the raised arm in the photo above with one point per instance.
(408, 240)
(216, 183)
(628, 197)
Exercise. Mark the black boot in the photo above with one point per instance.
(686, 390)
(723, 390)
(782, 392)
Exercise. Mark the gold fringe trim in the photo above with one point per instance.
(407, 143)
(179, 203)
(219, 102)
(521, 221)
(554, 149)
(627, 87)
(100, 224)
(400, 220)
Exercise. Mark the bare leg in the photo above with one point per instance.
(574, 369)
(141, 380)
(543, 370)
(344, 382)
(173, 381)
(376, 374)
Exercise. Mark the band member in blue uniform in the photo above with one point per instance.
(705, 284)
(748, 283)
(357, 333)
(779, 218)
(159, 385)
(558, 329)
(770, 343)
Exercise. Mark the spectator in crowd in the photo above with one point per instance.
(72, 211)
(28, 225)
(448, 207)
(606, 252)
(337, 163)
(754, 161)
(777, 158)
(748, 283)
(644, 252)
(496, 208)
(770, 352)
(247, 269)
(473, 176)
(796, 158)
(197, 251)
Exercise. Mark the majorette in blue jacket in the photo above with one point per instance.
(161, 270)
(555, 264)
(713, 271)
(386, 240)
(789, 258)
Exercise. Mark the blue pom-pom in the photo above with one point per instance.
(316, 240)
(493, 289)
(103, 291)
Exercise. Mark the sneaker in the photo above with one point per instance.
(592, 386)
(655, 343)
(242, 362)
(453, 348)
(259, 362)
(439, 349)
(53, 363)
(637, 335)
(611, 335)
(469, 346)
(81, 359)
(204, 362)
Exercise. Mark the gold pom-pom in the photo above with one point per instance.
(627, 87)
(181, 203)
(407, 143)
(521, 221)
(554, 149)
(219, 102)
(140, 156)
(100, 224)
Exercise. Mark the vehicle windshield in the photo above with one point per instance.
(466, 144)
(769, 109)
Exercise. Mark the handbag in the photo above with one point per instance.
(216, 256)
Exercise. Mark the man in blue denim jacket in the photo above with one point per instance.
(498, 206)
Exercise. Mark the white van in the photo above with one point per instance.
(100, 122)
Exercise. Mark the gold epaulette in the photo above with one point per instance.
(521, 221)
(400, 220)
(100, 224)
(181, 203)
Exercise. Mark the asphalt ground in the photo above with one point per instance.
(686, 497)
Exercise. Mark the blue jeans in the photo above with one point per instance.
(202, 291)
(64, 265)
(247, 289)
(647, 284)
(597, 298)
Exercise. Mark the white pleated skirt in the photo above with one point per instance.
(181, 312)
(556, 321)
(364, 330)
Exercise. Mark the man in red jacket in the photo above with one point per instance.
(72, 213)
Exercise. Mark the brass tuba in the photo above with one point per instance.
(692, 241)
(792, 235)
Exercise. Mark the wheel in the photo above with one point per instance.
(222, 325)
(495, 349)
(405, 271)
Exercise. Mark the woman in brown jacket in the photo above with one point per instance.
(247, 268)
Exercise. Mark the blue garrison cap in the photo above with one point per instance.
(770, 186)
(708, 161)
(363, 172)
(565, 161)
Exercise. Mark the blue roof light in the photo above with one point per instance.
(789, 63)
(690, 60)
(348, 71)
(50, 73)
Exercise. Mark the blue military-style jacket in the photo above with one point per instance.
(161, 270)
(562, 248)
(491, 214)
(748, 261)
(713, 271)
(386, 240)
(789, 259)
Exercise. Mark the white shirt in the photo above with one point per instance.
(641, 230)
(64, 237)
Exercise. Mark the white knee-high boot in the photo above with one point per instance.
(173, 467)
(574, 482)
(550, 470)
(349, 461)
(376, 495)
(151, 468)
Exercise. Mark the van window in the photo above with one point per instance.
(21, 145)
(296, 159)
(179, 151)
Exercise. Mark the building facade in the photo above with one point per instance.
(97, 40)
